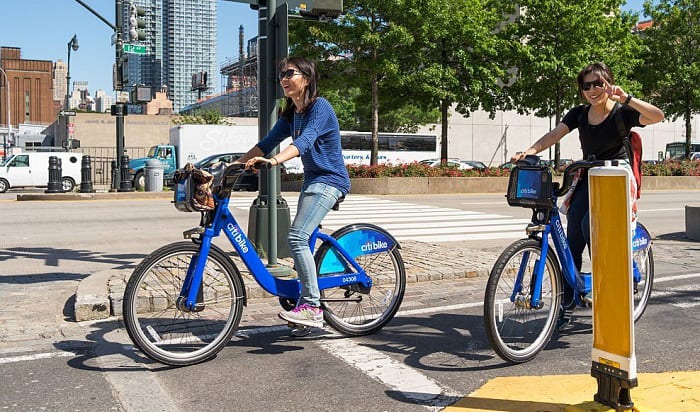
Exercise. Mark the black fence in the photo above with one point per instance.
(101, 159)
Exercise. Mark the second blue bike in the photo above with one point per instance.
(534, 279)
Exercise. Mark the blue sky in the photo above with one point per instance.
(42, 29)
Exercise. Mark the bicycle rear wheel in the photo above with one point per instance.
(517, 331)
(355, 310)
(162, 330)
(644, 263)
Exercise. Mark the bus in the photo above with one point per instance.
(394, 148)
(676, 150)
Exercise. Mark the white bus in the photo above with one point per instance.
(394, 148)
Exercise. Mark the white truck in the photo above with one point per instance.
(194, 142)
(31, 169)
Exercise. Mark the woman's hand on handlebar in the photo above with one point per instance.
(258, 162)
(520, 156)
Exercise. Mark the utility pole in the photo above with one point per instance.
(119, 109)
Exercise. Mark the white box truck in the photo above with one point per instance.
(31, 169)
(191, 143)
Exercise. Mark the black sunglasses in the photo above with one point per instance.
(288, 74)
(587, 85)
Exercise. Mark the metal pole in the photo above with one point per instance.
(9, 122)
(119, 49)
(72, 44)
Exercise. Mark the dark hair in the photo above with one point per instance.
(599, 68)
(308, 70)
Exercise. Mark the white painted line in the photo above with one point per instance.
(676, 277)
(459, 230)
(413, 219)
(37, 356)
(412, 384)
(470, 236)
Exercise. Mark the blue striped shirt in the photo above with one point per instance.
(316, 134)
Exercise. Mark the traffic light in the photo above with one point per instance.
(136, 23)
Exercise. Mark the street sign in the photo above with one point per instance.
(134, 48)
(66, 113)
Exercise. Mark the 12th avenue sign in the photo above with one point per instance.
(134, 48)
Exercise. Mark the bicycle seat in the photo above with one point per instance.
(336, 206)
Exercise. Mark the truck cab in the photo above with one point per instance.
(165, 153)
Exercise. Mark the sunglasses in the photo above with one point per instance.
(288, 74)
(595, 83)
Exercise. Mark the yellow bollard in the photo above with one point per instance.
(614, 364)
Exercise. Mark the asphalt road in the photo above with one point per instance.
(425, 359)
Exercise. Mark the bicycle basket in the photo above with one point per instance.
(193, 190)
(530, 186)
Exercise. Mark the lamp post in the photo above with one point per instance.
(9, 121)
(72, 44)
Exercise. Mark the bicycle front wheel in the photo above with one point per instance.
(169, 334)
(355, 310)
(517, 331)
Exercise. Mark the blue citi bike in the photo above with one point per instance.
(532, 282)
(184, 301)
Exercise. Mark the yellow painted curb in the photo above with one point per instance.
(657, 392)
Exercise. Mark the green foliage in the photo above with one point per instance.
(671, 70)
(209, 116)
(672, 168)
(554, 39)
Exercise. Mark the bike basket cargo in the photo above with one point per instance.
(530, 186)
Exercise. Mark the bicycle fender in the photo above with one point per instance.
(641, 239)
(357, 239)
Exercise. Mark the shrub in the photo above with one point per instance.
(415, 169)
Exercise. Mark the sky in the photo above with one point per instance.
(43, 28)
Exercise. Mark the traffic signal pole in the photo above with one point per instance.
(120, 108)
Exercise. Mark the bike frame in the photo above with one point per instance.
(223, 220)
(579, 282)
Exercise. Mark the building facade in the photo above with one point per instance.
(180, 40)
(189, 47)
(31, 90)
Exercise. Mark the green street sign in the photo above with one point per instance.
(134, 48)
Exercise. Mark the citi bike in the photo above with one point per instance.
(530, 284)
(184, 301)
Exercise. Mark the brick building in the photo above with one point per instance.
(31, 89)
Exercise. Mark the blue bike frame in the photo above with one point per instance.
(580, 282)
(338, 267)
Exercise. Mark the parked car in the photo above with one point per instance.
(695, 156)
(451, 162)
(476, 164)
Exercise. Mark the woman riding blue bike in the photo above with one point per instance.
(313, 126)
(599, 136)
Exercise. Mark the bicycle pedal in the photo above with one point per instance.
(300, 330)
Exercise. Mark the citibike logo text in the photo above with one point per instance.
(238, 237)
(370, 246)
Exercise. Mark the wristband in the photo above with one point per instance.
(628, 99)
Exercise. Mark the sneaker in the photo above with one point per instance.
(305, 314)
(588, 298)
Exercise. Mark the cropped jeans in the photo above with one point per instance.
(578, 222)
(314, 204)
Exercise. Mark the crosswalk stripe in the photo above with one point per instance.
(409, 221)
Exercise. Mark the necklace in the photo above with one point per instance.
(297, 131)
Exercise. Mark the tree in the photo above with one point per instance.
(671, 70)
(552, 40)
(357, 56)
(455, 58)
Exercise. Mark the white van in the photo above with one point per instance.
(31, 169)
